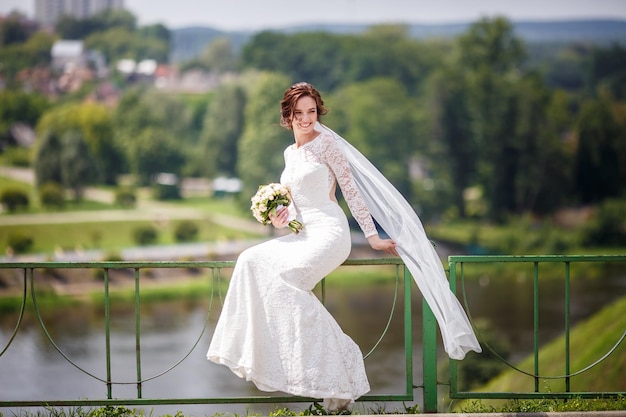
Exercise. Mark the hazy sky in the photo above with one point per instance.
(264, 14)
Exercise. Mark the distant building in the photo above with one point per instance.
(70, 54)
(143, 71)
(75, 64)
(48, 12)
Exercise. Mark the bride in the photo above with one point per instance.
(273, 330)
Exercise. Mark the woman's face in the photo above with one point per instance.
(304, 116)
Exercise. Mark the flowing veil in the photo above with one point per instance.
(394, 214)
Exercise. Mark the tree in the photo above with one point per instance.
(19, 107)
(597, 167)
(218, 57)
(451, 124)
(492, 57)
(48, 158)
(141, 108)
(260, 155)
(116, 18)
(542, 176)
(94, 122)
(63, 157)
(319, 58)
(78, 167)
(156, 31)
(378, 117)
(551, 187)
(20, 58)
(154, 151)
(14, 29)
(143, 116)
(330, 61)
(223, 126)
(607, 70)
(70, 27)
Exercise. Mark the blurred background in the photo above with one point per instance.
(139, 130)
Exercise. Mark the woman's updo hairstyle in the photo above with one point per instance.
(291, 97)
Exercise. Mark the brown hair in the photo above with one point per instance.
(291, 97)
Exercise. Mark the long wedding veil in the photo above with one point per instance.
(398, 219)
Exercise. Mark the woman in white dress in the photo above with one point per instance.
(273, 330)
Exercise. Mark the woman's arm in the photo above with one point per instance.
(338, 163)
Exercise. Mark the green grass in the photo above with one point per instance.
(197, 288)
(9, 182)
(589, 341)
(548, 406)
(109, 236)
(35, 207)
(315, 409)
(518, 237)
(227, 206)
(114, 236)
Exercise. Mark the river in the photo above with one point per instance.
(32, 368)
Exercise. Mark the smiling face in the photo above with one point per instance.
(293, 101)
(304, 117)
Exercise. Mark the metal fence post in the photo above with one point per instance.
(429, 355)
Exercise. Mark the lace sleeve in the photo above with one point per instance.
(336, 160)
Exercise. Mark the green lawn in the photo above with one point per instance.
(589, 341)
(113, 236)
(519, 237)
(35, 206)
(110, 236)
(215, 205)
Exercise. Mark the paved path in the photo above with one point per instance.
(153, 212)
(145, 210)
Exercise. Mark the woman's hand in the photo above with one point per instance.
(281, 218)
(387, 245)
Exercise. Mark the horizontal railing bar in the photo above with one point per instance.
(535, 258)
(189, 401)
(532, 395)
(170, 264)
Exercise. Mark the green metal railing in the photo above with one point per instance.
(429, 385)
(216, 268)
(457, 265)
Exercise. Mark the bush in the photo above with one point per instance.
(166, 192)
(14, 198)
(145, 235)
(479, 369)
(20, 242)
(17, 156)
(608, 226)
(51, 195)
(126, 197)
(186, 231)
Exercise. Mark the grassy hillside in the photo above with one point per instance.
(589, 341)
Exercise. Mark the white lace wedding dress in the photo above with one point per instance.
(273, 330)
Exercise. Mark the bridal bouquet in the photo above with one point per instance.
(270, 198)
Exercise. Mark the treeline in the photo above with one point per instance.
(469, 127)
(473, 112)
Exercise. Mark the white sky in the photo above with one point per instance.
(267, 14)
